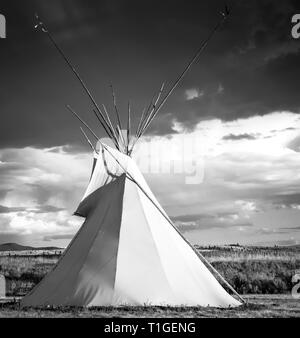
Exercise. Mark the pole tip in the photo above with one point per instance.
(39, 24)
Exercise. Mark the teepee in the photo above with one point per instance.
(127, 252)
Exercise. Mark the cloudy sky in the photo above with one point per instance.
(223, 156)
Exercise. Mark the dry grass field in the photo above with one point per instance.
(263, 275)
(258, 306)
(250, 270)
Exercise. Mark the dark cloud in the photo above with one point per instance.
(37, 210)
(291, 228)
(56, 237)
(206, 221)
(7, 210)
(273, 231)
(43, 192)
(136, 46)
(47, 209)
(185, 227)
(295, 144)
(286, 200)
(238, 137)
(285, 129)
(3, 192)
(70, 149)
(10, 166)
(191, 218)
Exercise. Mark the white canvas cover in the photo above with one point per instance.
(126, 252)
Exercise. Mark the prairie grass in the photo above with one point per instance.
(257, 306)
(250, 270)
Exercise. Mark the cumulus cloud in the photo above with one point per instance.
(232, 137)
(239, 182)
(244, 179)
(193, 93)
(7, 210)
(40, 190)
(206, 221)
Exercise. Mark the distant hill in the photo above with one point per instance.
(18, 247)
